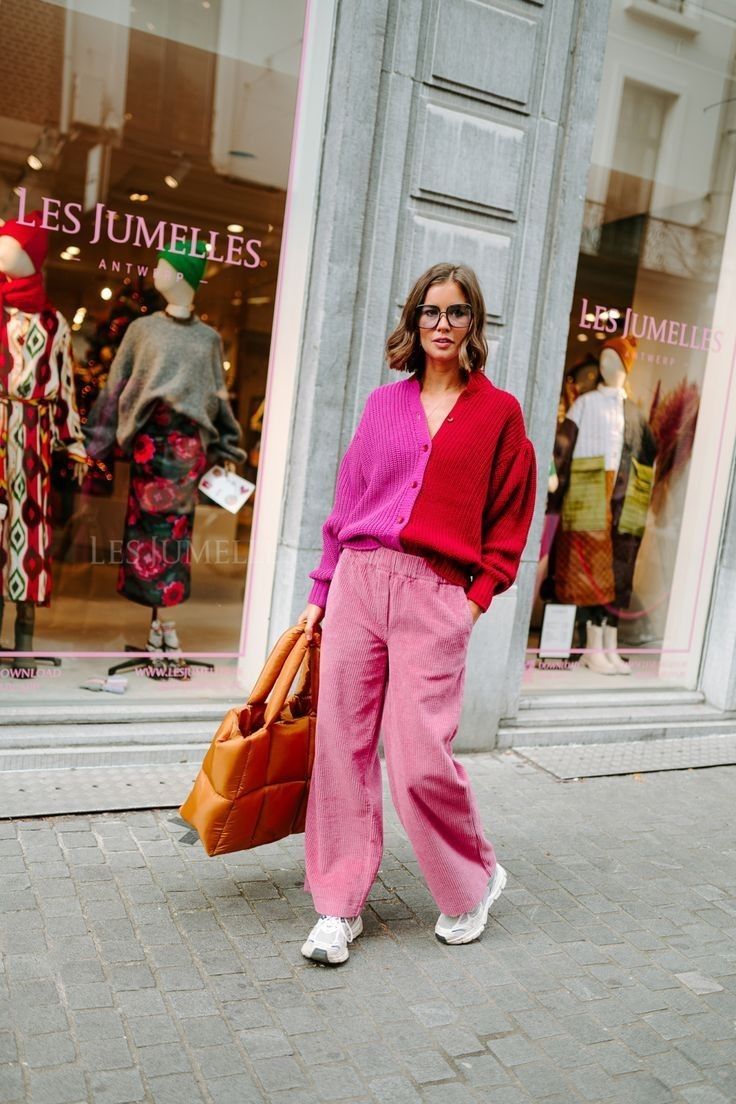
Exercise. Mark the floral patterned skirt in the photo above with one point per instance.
(167, 463)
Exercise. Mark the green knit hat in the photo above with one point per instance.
(180, 257)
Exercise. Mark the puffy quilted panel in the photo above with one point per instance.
(254, 781)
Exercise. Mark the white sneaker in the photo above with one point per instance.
(468, 926)
(328, 940)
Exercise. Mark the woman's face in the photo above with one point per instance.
(443, 342)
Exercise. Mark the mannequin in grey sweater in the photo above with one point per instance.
(171, 359)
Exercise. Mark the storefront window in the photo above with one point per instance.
(643, 438)
(145, 167)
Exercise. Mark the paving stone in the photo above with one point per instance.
(100, 1024)
(8, 1047)
(336, 1082)
(65, 1085)
(513, 1049)
(265, 1043)
(240, 1089)
(278, 1073)
(426, 1066)
(117, 1087)
(148, 1031)
(220, 1061)
(163, 1058)
(176, 1088)
(703, 1094)
(541, 1080)
(455, 1093)
(394, 1090)
(94, 995)
(642, 1088)
(105, 1054)
(482, 1069)
(672, 1069)
(140, 1002)
(55, 1049)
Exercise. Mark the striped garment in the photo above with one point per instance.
(395, 638)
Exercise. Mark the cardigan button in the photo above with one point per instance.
(450, 418)
(399, 520)
(424, 448)
(415, 484)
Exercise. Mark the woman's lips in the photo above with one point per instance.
(443, 343)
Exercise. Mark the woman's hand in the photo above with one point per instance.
(475, 610)
(311, 616)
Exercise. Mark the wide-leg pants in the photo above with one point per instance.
(394, 644)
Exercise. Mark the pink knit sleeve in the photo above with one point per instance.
(508, 513)
(349, 487)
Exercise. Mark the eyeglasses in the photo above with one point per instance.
(459, 315)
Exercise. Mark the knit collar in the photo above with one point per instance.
(187, 321)
(473, 384)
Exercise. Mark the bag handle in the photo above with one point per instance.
(274, 664)
(298, 659)
(289, 654)
(308, 687)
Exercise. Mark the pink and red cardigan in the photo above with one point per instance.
(463, 500)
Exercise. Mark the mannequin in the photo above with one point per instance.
(605, 453)
(166, 403)
(38, 414)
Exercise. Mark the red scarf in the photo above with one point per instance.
(27, 293)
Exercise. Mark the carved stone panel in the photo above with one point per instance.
(463, 58)
(469, 160)
(485, 251)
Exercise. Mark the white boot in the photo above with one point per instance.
(171, 639)
(595, 658)
(610, 649)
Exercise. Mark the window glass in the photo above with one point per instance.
(643, 438)
(147, 157)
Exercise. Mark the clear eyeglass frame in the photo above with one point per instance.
(458, 315)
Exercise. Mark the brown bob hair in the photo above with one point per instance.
(404, 351)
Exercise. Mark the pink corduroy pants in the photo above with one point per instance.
(394, 643)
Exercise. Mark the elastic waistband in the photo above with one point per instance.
(400, 563)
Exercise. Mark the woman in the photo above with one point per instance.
(433, 504)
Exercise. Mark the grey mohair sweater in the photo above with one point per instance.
(179, 362)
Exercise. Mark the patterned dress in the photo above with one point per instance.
(38, 414)
(167, 463)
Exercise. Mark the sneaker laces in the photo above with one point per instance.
(334, 924)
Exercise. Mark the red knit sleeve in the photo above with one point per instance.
(508, 512)
(349, 487)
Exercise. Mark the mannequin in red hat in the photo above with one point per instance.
(605, 454)
(37, 414)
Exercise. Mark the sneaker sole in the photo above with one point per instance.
(320, 955)
(317, 954)
(472, 935)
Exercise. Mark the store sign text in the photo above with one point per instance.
(109, 225)
(668, 331)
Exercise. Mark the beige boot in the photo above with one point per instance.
(610, 649)
(595, 658)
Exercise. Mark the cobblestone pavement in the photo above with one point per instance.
(134, 968)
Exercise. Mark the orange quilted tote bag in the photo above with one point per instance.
(254, 781)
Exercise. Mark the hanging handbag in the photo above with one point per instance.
(253, 785)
